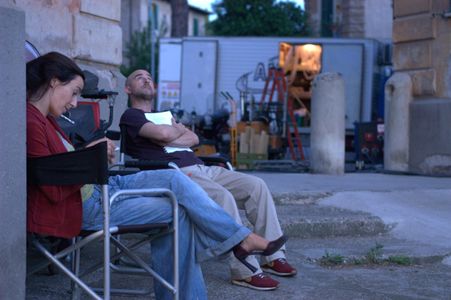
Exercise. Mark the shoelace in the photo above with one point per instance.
(282, 260)
(261, 276)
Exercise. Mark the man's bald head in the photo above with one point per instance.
(136, 73)
(139, 86)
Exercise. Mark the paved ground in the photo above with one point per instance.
(360, 221)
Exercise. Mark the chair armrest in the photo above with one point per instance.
(146, 164)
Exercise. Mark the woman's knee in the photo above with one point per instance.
(142, 210)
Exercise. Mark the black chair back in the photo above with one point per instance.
(83, 166)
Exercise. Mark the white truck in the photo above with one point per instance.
(193, 71)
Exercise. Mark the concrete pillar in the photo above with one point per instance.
(327, 137)
(12, 154)
(398, 95)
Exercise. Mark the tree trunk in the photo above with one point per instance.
(179, 22)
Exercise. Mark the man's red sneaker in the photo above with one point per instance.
(261, 282)
(279, 267)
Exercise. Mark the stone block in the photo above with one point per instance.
(415, 55)
(41, 29)
(430, 150)
(423, 82)
(410, 7)
(97, 40)
(413, 29)
(109, 9)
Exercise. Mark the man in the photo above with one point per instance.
(147, 140)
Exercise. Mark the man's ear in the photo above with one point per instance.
(127, 90)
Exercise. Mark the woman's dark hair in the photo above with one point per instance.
(42, 70)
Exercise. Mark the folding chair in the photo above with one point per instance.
(89, 166)
(127, 161)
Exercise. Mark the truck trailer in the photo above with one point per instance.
(193, 71)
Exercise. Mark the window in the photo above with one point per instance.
(195, 27)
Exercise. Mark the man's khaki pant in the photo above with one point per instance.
(233, 191)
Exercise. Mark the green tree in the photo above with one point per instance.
(138, 53)
(258, 18)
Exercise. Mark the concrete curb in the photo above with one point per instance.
(314, 221)
(307, 197)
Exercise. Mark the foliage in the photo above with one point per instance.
(138, 53)
(400, 260)
(374, 254)
(329, 259)
(258, 18)
(372, 257)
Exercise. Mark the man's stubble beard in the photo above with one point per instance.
(144, 96)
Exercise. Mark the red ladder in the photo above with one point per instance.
(277, 79)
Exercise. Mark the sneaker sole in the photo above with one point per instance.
(245, 284)
(269, 270)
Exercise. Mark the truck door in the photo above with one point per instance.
(198, 82)
(347, 59)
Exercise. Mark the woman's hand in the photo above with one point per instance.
(111, 147)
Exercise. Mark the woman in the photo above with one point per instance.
(54, 83)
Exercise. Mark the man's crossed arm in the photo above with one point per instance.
(174, 135)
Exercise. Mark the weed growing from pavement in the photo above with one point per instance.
(372, 258)
(400, 260)
(330, 259)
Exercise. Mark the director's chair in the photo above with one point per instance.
(89, 166)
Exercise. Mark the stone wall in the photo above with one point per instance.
(86, 30)
(422, 49)
(421, 37)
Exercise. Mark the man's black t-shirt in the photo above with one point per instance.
(142, 148)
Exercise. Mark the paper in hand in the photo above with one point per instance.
(165, 118)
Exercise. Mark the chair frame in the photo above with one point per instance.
(126, 162)
(36, 175)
